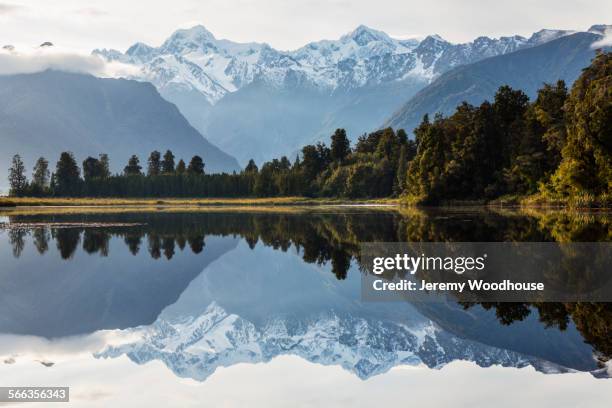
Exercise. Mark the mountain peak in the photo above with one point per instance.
(600, 28)
(546, 35)
(435, 38)
(140, 50)
(363, 35)
(188, 38)
(195, 33)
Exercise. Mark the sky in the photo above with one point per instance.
(284, 24)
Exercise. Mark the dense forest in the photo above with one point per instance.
(557, 148)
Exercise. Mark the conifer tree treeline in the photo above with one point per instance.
(369, 170)
(559, 145)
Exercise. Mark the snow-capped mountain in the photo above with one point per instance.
(254, 101)
(526, 69)
(195, 347)
(193, 58)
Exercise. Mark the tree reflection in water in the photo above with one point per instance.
(334, 237)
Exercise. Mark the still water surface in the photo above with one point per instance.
(173, 308)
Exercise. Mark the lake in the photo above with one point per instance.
(263, 307)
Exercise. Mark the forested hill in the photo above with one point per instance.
(46, 113)
(528, 69)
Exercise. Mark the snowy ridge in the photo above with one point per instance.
(193, 347)
(193, 59)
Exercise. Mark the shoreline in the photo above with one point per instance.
(20, 202)
(8, 203)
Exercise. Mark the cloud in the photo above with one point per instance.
(92, 12)
(6, 8)
(606, 40)
(17, 348)
(42, 59)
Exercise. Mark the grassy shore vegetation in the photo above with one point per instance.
(188, 202)
(554, 151)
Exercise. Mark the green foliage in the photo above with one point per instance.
(154, 164)
(67, 180)
(514, 147)
(586, 164)
(17, 178)
(167, 165)
(340, 145)
(133, 167)
(251, 167)
(92, 168)
(360, 179)
(181, 168)
(41, 175)
(196, 165)
(105, 165)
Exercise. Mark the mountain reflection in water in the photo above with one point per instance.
(201, 290)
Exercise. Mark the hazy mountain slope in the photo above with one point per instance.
(528, 69)
(257, 102)
(263, 122)
(46, 113)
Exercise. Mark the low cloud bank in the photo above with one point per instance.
(41, 59)
(606, 41)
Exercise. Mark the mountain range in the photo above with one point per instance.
(254, 101)
(526, 69)
(45, 113)
(196, 347)
(249, 100)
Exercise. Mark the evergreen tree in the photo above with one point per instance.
(251, 167)
(388, 145)
(284, 164)
(154, 164)
(586, 164)
(402, 136)
(133, 167)
(67, 175)
(509, 107)
(40, 176)
(17, 178)
(196, 165)
(180, 167)
(425, 172)
(104, 166)
(312, 162)
(167, 165)
(92, 169)
(340, 146)
(548, 109)
(402, 168)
